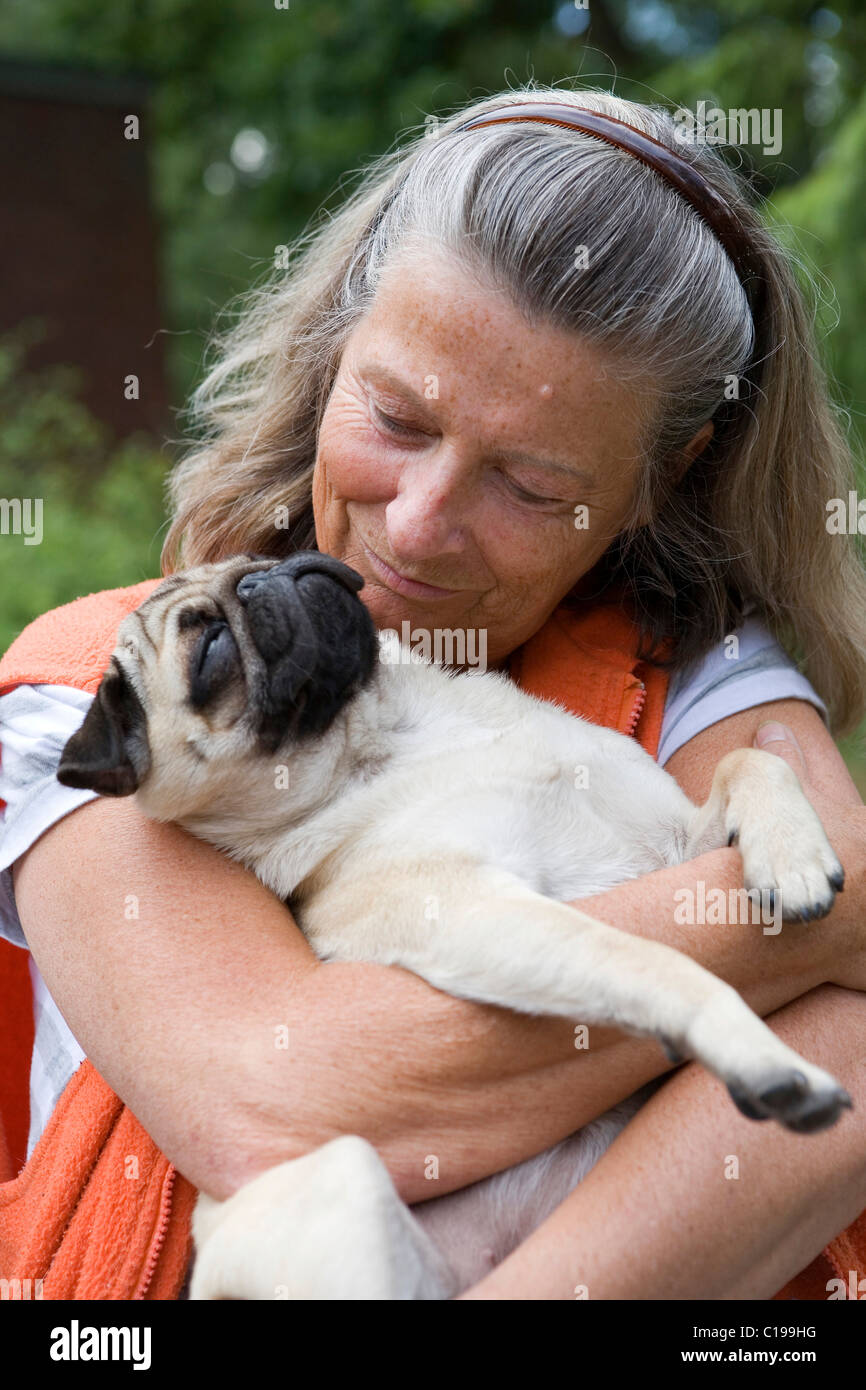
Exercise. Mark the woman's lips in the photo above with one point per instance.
(412, 588)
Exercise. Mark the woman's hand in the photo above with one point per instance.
(845, 827)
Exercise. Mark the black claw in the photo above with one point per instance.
(746, 1106)
(789, 1101)
(786, 1092)
(732, 837)
(817, 910)
(838, 880)
(821, 1115)
(808, 914)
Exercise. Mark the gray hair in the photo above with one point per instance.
(512, 204)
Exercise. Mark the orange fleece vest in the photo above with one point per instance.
(74, 1216)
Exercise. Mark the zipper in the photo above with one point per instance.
(636, 709)
(158, 1236)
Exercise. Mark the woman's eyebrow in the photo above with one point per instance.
(375, 370)
(578, 475)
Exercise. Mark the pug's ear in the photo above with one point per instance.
(109, 753)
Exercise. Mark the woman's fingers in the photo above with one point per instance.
(777, 738)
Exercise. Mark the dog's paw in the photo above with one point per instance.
(767, 1080)
(789, 861)
(803, 1103)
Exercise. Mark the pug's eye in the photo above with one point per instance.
(206, 646)
(214, 662)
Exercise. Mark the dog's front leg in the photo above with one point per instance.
(329, 1225)
(756, 803)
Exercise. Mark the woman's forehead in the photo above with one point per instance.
(433, 308)
(530, 399)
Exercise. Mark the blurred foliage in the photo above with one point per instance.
(823, 217)
(329, 85)
(101, 503)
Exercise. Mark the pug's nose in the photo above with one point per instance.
(250, 582)
(295, 567)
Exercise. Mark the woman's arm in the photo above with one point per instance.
(692, 1200)
(828, 785)
(665, 1214)
(178, 1010)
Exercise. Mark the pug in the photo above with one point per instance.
(413, 815)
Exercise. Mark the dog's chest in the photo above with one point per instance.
(570, 808)
(567, 830)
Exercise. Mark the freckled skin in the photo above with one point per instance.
(437, 503)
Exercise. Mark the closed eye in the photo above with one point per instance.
(401, 430)
(395, 426)
(214, 661)
(531, 496)
(211, 634)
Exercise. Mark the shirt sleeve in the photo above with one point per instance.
(35, 723)
(720, 684)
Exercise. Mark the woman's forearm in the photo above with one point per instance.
(692, 1200)
(768, 962)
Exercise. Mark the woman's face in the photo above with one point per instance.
(459, 448)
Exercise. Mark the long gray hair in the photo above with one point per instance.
(746, 524)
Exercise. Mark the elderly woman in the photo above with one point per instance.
(522, 365)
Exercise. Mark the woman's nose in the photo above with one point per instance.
(428, 515)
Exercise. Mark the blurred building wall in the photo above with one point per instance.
(78, 245)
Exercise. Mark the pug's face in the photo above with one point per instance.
(223, 666)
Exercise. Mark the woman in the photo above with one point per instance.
(517, 368)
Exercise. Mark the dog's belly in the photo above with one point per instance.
(476, 1227)
(527, 816)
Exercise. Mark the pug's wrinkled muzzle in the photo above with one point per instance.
(314, 635)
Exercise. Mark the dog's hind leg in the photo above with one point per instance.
(480, 933)
(329, 1225)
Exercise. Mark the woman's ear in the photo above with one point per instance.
(694, 447)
